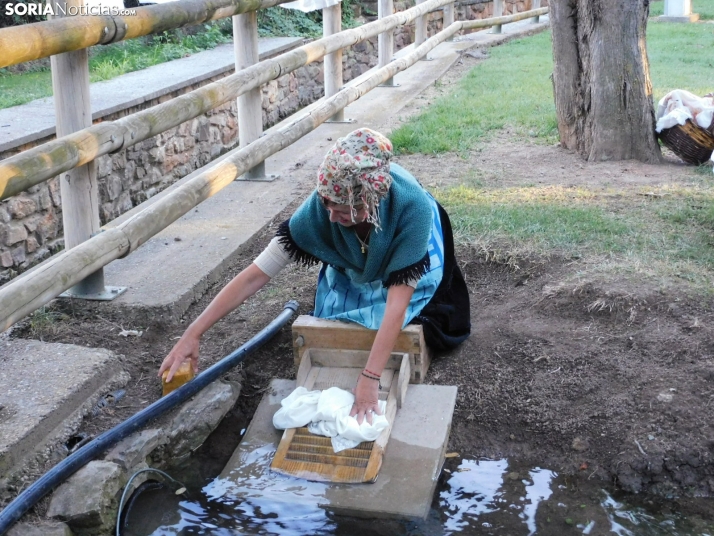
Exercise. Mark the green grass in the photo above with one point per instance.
(705, 8)
(512, 88)
(19, 89)
(670, 236)
(545, 225)
(680, 57)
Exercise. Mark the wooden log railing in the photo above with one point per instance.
(36, 165)
(42, 39)
(32, 290)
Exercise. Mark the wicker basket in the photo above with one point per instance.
(690, 142)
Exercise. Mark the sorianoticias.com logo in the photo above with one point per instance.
(23, 9)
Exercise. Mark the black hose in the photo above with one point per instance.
(67, 467)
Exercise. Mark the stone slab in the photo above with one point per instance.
(406, 482)
(45, 389)
(36, 120)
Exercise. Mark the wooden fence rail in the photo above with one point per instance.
(42, 39)
(36, 165)
(32, 290)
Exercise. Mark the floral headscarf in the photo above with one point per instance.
(356, 171)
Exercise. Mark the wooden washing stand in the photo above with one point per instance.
(332, 354)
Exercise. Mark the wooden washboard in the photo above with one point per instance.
(311, 457)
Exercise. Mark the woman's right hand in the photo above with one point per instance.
(185, 348)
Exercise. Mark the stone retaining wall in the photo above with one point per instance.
(31, 223)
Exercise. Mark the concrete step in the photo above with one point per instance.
(45, 391)
(406, 482)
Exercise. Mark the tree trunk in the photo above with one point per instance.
(603, 92)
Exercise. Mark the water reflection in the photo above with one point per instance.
(640, 522)
(475, 497)
(539, 490)
(471, 491)
(269, 503)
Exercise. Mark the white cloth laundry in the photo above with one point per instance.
(679, 105)
(327, 413)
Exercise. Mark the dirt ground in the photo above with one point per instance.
(601, 379)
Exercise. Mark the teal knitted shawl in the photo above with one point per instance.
(397, 253)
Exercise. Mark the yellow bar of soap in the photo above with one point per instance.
(183, 374)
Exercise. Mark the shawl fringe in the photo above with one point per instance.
(415, 271)
(298, 255)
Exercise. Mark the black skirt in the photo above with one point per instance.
(447, 317)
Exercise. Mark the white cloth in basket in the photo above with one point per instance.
(679, 105)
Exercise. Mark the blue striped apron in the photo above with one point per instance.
(339, 298)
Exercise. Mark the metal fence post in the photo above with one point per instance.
(78, 187)
(250, 104)
(385, 8)
(535, 5)
(497, 12)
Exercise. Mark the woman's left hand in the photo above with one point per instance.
(366, 400)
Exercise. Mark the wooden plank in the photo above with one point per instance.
(375, 460)
(404, 375)
(319, 334)
(346, 378)
(332, 72)
(339, 357)
(496, 21)
(385, 41)
(448, 19)
(420, 30)
(283, 447)
(250, 104)
(497, 12)
(311, 378)
(304, 368)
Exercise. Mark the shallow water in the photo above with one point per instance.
(474, 497)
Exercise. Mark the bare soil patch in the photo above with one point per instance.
(603, 379)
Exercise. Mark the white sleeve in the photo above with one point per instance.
(414, 282)
(273, 258)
